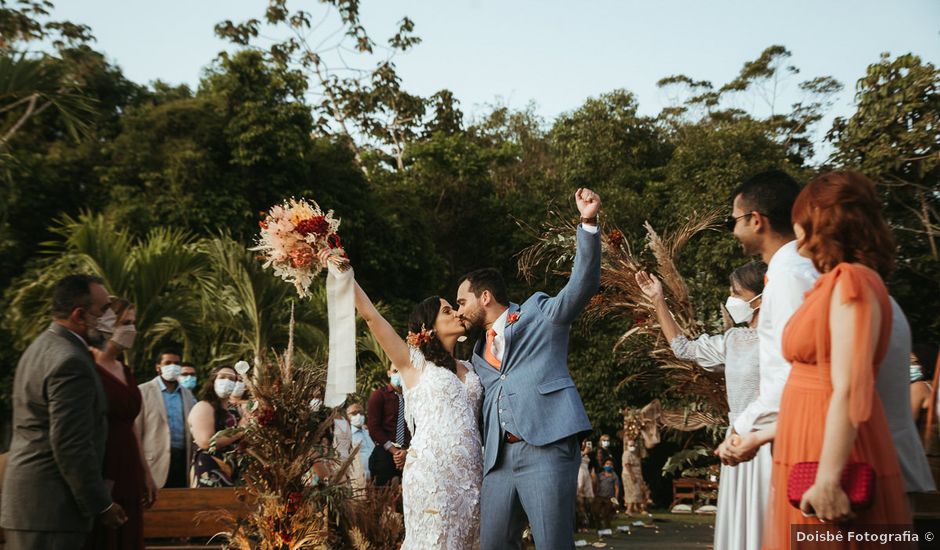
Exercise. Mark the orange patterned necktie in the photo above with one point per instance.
(488, 352)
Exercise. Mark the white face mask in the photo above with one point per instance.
(106, 322)
(224, 387)
(170, 372)
(739, 309)
(239, 389)
(357, 420)
(605, 444)
(124, 336)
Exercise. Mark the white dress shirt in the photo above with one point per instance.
(789, 277)
(499, 341)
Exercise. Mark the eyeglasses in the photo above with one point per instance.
(731, 222)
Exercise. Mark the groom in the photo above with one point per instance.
(532, 413)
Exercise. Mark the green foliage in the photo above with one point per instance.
(894, 137)
(162, 196)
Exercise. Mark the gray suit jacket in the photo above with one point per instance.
(53, 479)
(534, 381)
(894, 387)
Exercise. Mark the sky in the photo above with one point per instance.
(551, 52)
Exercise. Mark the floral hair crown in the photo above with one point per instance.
(421, 338)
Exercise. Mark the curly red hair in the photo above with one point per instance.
(840, 214)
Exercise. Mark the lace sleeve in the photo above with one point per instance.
(707, 351)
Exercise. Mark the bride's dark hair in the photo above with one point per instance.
(423, 316)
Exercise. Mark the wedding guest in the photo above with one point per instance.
(585, 488)
(210, 416)
(760, 220)
(635, 491)
(743, 489)
(343, 445)
(386, 418)
(188, 377)
(360, 435)
(931, 431)
(240, 398)
(162, 422)
(53, 487)
(125, 469)
(921, 389)
(892, 385)
(608, 492)
(829, 410)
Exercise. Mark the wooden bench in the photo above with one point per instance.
(692, 490)
(176, 515)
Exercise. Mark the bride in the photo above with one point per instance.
(444, 467)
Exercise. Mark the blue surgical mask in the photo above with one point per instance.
(188, 381)
(609, 469)
(396, 380)
(916, 373)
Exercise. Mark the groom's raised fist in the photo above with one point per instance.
(589, 202)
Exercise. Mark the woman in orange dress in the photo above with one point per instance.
(830, 411)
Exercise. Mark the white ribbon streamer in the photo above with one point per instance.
(341, 311)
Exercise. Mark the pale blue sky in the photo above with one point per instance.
(556, 53)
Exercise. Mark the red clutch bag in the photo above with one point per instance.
(858, 482)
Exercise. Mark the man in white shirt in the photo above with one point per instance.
(760, 220)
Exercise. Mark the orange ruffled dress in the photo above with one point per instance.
(801, 423)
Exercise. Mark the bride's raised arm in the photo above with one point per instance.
(391, 342)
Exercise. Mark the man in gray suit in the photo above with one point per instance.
(532, 413)
(893, 386)
(53, 487)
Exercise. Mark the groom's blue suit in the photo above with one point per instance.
(532, 397)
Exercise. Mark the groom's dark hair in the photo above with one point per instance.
(488, 278)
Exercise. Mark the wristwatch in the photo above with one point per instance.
(589, 221)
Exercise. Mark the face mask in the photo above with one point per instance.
(740, 310)
(106, 322)
(916, 373)
(124, 336)
(224, 387)
(357, 420)
(315, 404)
(396, 380)
(631, 448)
(239, 389)
(188, 381)
(609, 469)
(605, 444)
(170, 372)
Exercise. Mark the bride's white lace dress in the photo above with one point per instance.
(444, 468)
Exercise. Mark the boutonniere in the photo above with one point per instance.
(512, 318)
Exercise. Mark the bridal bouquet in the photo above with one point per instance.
(295, 237)
(293, 234)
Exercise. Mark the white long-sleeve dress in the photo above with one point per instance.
(744, 489)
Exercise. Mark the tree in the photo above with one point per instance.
(156, 273)
(894, 137)
(354, 103)
(247, 311)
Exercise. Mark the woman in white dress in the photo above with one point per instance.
(443, 469)
(743, 490)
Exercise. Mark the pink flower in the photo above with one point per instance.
(512, 318)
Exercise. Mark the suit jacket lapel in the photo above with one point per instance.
(507, 337)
